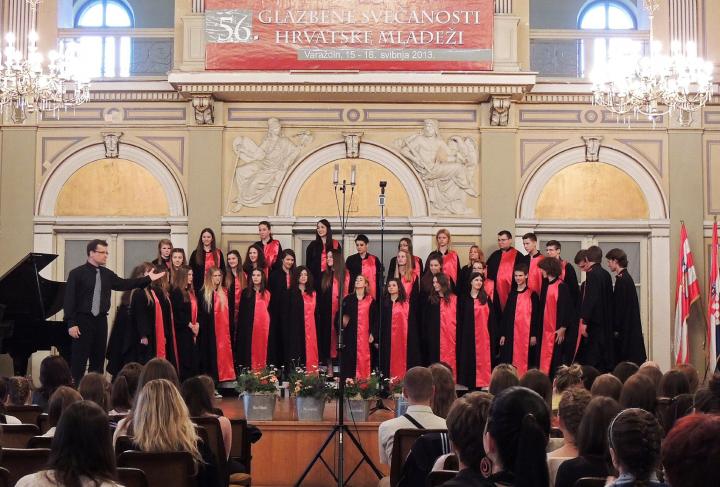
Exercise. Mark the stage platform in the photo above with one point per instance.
(288, 445)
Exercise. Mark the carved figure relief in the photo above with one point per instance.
(447, 168)
(259, 169)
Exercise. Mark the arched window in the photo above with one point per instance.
(608, 15)
(108, 56)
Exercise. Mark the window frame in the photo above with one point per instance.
(607, 4)
(91, 3)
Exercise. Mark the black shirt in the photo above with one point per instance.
(81, 284)
(470, 477)
(576, 468)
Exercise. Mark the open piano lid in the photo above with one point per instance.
(25, 293)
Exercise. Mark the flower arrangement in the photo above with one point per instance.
(263, 381)
(304, 383)
(394, 385)
(363, 388)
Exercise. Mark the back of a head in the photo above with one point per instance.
(638, 392)
(95, 387)
(63, 397)
(131, 371)
(672, 384)
(707, 399)
(607, 385)
(82, 445)
(624, 370)
(592, 438)
(158, 368)
(18, 390)
(444, 384)
(589, 374)
(196, 396)
(567, 377)
(691, 452)
(691, 374)
(635, 437)
(519, 424)
(503, 377)
(54, 372)
(652, 373)
(572, 407)
(466, 423)
(538, 381)
(161, 420)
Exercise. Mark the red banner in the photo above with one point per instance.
(370, 35)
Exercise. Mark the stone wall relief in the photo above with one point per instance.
(447, 168)
(261, 168)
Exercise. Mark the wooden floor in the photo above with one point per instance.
(287, 446)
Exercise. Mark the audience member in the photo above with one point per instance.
(707, 399)
(124, 388)
(638, 392)
(161, 423)
(95, 387)
(503, 377)
(592, 443)
(607, 385)
(18, 391)
(158, 368)
(418, 389)
(589, 374)
(570, 412)
(54, 372)
(652, 372)
(634, 438)
(691, 374)
(691, 452)
(538, 381)
(199, 402)
(445, 394)
(671, 410)
(5, 418)
(567, 377)
(624, 370)
(673, 383)
(81, 453)
(61, 399)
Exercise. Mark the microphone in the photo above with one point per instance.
(383, 185)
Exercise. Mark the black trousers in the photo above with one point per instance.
(90, 345)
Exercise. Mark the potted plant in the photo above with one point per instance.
(358, 394)
(395, 387)
(311, 391)
(259, 390)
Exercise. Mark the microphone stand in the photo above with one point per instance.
(340, 428)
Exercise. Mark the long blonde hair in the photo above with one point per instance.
(409, 273)
(208, 289)
(161, 421)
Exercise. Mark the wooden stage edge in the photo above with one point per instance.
(287, 446)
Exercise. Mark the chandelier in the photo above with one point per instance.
(656, 84)
(29, 86)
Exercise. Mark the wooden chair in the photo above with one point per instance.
(591, 482)
(40, 442)
(217, 445)
(43, 422)
(124, 443)
(175, 469)
(28, 413)
(17, 435)
(241, 449)
(402, 443)
(132, 477)
(4, 477)
(22, 461)
(439, 477)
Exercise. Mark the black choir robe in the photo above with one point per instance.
(569, 277)
(327, 322)
(629, 342)
(535, 278)
(477, 342)
(463, 286)
(199, 270)
(302, 318)
(315, 256)
(556, 311)
(505, 283)
(439, 336)
(188, 358)
(393, 265)
(281, 339)
(357, 265)
(163, 264)
(219, 366)
(232, 308)
(450, 265)
(514, 316)
(596, 296)
(120, 349)
(254, 343)
(356, 359)
(399, 338)
(271, 251)
(144, 318)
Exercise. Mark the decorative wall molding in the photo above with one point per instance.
(173, 148)
(592, 147)
(111, 141)
(203, 106)
(531, 150)
(352, 144)
(651, 150)
(499, 111)
(52, 148)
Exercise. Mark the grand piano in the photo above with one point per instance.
(27, 300)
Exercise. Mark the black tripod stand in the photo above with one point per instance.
(340, 429)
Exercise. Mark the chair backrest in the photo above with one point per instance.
(241, 449)
(175, 469)
(115, 418)
(22, 461)
(17, 435)
(4, 477)
(556, 433)
(215, 438)
(40, 442)
(123, 444)
(132, 477)
(591, 482)
(403, 441)
(439, 477)
(43, 422)
(27, 414)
